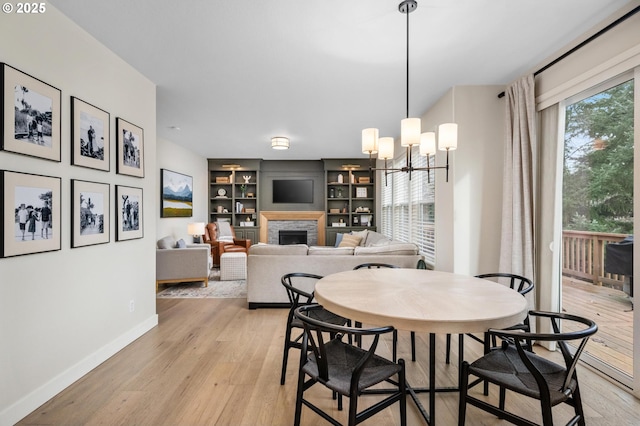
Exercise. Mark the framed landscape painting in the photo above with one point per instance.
(177, 194)
(130, 146)
(30, 110)
(30, 214)
(90, 136)
(128, 213)
(90, 210)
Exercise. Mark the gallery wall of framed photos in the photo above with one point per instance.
(31, 125)
(67, 288)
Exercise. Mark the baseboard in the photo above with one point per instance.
(17, 411)
(256, 305)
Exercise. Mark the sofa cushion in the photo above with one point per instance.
(167, 242)
(330, 251)
(350, 240)
(294, 249)
(181, 244)
(338, 239)
(387, 249)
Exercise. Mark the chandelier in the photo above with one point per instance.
(410, 131)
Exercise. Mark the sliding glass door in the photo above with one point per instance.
(598, 194)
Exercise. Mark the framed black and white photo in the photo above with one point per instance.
(90, 213)
(90, 136)
(128, 213)
(177, 194)
(130, 149)
(30, 111)
(30, 214)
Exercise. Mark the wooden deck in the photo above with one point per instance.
(612, 310)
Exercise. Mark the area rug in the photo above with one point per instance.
(216, 289)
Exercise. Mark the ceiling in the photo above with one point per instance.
(232, 74)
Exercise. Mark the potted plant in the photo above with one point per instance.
(243, 190)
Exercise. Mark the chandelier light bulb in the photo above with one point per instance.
(370, 141)
(428, 143)
(447, 136)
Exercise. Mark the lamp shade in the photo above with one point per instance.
(410, 131)
(370, 141)
(385, 148)
(428, 143)
(448, 136)
(196, 228)
(279, 142)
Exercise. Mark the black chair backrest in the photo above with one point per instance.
(571, 360)
(293, 283)
(314, 338)
(375, 266)
(517, 282)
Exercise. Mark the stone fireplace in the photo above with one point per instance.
(313, 222)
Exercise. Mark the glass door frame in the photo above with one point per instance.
(632, 383)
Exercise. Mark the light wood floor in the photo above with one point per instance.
(214, 362)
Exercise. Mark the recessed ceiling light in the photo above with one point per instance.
(174, 127)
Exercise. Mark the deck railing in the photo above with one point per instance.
(583, 257)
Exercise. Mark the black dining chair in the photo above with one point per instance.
(299, 287)
(519, 370)
(516, 282)
(346, 369)
(374, 265)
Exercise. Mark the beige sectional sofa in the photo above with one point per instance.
(267, 263)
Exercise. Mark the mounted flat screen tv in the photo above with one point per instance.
(293, 191)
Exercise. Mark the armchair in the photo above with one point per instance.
(214, 235)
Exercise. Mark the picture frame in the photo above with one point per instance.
(30, 214)
(129, 213)
(130, 149)
(361, 192)
(176, 194)
(90, 213)
(30, 111)
(90, 136)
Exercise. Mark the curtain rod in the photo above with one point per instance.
(585, 42)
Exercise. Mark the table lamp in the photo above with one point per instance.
(196, 229)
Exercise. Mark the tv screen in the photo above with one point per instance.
(293, 191)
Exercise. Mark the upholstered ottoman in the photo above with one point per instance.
(233, 266)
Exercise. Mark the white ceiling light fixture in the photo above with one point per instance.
(410, 130)
(279, 142)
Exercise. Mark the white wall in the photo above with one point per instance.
(177, 159)
(468, 207)
(62, 313)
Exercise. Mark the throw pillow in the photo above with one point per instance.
(166, 243)
(362, 235)
(338, 239)
(181, 244)
(350, 240)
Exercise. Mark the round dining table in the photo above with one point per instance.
(422, 301)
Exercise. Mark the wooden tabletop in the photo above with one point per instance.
(421, 300)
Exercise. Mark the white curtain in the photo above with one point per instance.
(517, 248)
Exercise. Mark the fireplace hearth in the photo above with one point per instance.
(286, 237)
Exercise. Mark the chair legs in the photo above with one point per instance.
(463, 384)
(288, 344)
